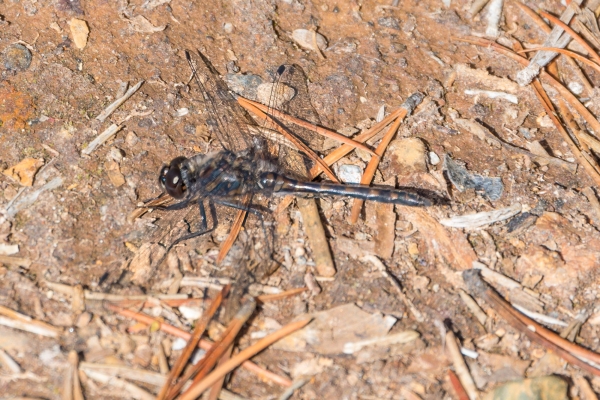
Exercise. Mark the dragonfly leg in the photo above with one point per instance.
(203, 224)
(251, 208)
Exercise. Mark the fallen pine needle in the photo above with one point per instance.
(191, 345)
(245, 354)
(204, 344)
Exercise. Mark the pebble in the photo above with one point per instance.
(407, 155)
(434, 159)
(17, 57)
(80, 31)
(305, 38)
(228, 27)
(131, 139)
(350, 173)
(274, 95)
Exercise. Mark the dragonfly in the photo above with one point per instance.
(247, 168)
(241, 169)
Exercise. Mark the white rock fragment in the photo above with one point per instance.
(493, 95)
(306, 38)
(434, 159)
(349, 173)
(274, 94)
(80, 32)
(575, 87)
(182, 112)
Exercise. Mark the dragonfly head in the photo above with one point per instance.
(170, 178)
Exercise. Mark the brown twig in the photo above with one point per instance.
(204, 344)
(191, 345)
(457, 386)
(278, 296)
(245, 354)
(565, 52)
(569, 351)
(408, 106)
(543, 26)
(573, 34)
(298, 143)
(233, 234)
(199, 371)
(315, 128)
(369, 173)
(584, 112)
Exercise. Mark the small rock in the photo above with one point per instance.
(305, 38)
(131, 139)
(274, 94)
(114, 173)
(17, 57)
(24, 171)
(349, 173)
(178, 344)
(544, 121)
(228, 27)
(83, 320)
(407, 156)
(434, 159)
(389, 22)
(80, 32)
(575, 87)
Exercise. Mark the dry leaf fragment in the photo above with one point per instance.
(114, 173)
(141, 24)
(80, 31)
(24, 171)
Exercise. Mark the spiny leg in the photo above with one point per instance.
(203, 223)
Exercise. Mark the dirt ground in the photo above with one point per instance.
(69, 213)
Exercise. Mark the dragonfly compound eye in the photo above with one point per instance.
(174, 183)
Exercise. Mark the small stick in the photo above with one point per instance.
(7, 362)
(584, 388)
(320, 130)
(163, 363)
(479, 314)
(543, 26)
(200, 370)
(565, 349)
(572, 33)
(115, 104)
(191, 345)
(279, 296)
(216, 388)
(101, 138)
(23, 322)
(299, 144)
(315, 232)
(204, 344)
(462, 371)
(236, 227)
(457, 386)
(140, 375)
(477, 6)
(245, 354)
(135, 391)
(409, 105)
(73, 369)
(555, 39)
(565, 52)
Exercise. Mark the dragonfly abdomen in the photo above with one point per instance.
(282, 184)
